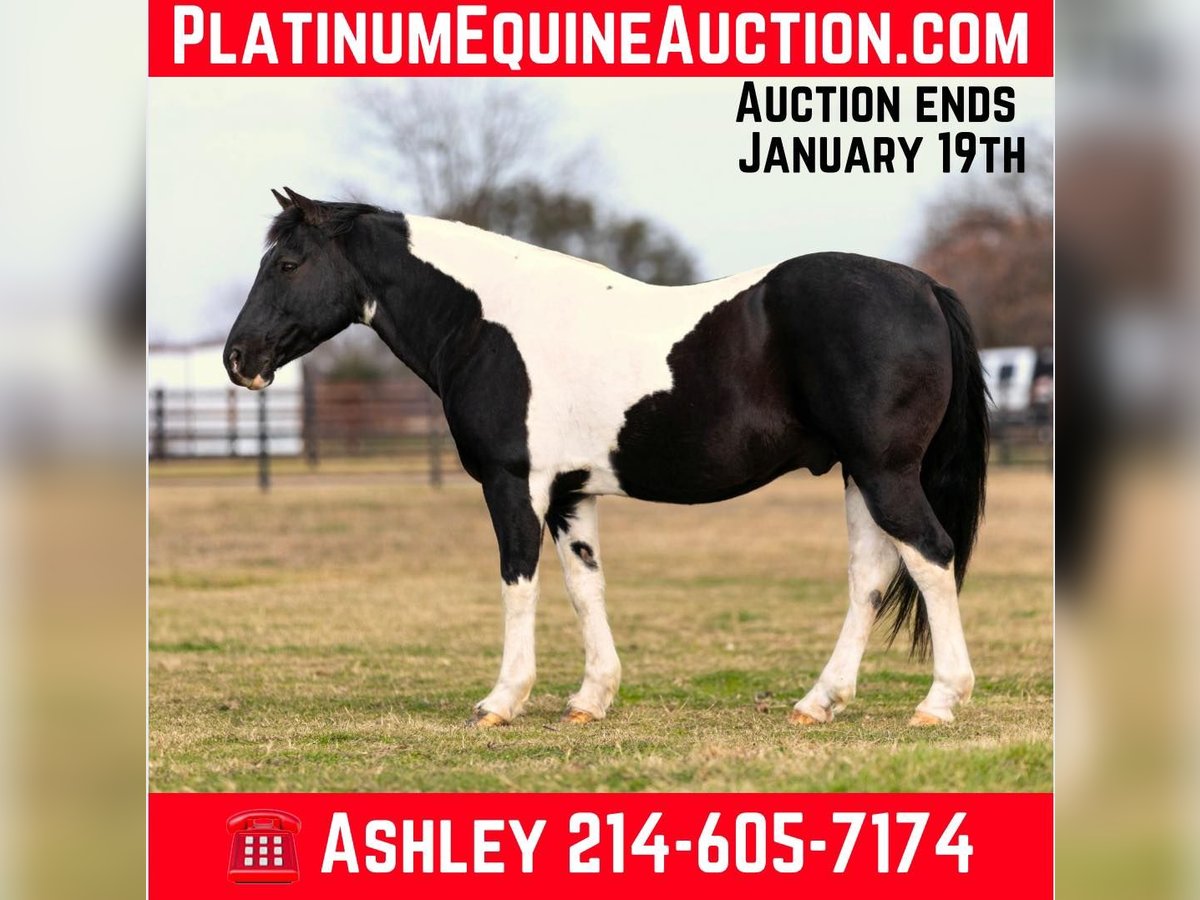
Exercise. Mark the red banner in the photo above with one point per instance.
(601, 845)
(930, 38)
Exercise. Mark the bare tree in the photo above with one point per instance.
(993, 242)
(454, 142)
(483, 152)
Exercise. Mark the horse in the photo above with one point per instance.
(563, 381)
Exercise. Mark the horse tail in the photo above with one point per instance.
(953, 471)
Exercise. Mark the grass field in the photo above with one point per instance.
(334, 634)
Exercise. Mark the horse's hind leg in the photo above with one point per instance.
(578, 548)
(898, 503)
(873, 562)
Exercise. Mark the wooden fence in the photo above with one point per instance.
(392, 418)
(396, 419)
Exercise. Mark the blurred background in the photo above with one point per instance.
(1127, 681)
(72, 475)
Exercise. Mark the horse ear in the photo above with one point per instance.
(284, 202)
(310, 208)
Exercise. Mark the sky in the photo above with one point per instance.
(667, 149)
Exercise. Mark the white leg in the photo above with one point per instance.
(953, 679)
(579, 552)
(517, 508)
(518, 665)
(873, 562)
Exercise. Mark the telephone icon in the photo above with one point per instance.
(264, 847)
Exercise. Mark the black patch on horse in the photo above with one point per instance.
(729, 423)
(584, 551)
(565, 494)
(435, 325)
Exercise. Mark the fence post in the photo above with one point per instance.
(309, 419)
(1005, 446)
(158, 444)
(264, 458)
(433, 422)
(232, 419)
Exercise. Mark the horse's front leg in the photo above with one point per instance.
(578, 545)
(517, 517)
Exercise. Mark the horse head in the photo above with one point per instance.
(306, 291)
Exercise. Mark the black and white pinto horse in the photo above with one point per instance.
(562, 381)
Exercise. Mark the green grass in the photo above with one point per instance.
(334, 635)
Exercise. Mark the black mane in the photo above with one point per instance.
(334, 219)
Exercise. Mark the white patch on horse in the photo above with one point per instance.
(518, 665)
(579, 552)
(594, 342)
(953, 679)
(873, 562)
(369, 309)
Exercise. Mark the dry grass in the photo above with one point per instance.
(334, 634)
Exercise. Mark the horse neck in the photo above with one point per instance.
(420, 312)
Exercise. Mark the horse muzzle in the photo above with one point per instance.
(233, 363)
(257, 383)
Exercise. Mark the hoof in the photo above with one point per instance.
(798, 718)
(578, 717)
(485, 719)
(924, 719)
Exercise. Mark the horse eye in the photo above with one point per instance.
(288, 266)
